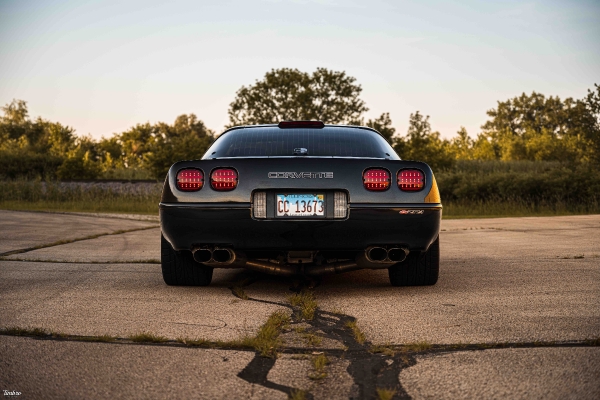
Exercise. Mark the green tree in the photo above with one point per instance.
(462, 145)
(187, 139)
(536, 127)
(422, 144)
(31, 148)
(289, 94)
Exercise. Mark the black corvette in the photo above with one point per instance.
(300, 198)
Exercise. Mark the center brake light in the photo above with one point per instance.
(224, 179)
(301, 124)
(411, 180)
(376, 179)
(190, 180)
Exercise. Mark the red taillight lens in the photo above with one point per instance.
(376, 179)
(190, 180)
(411, 180)
(224, 179)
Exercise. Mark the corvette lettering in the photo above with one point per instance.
(301, 175)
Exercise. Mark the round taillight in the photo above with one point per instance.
(223, 179)
(190, 180)
(411, 180)
(376, 179)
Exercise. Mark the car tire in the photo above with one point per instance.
(419, 269)
(180, 269)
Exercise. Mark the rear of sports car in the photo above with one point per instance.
(300, 198)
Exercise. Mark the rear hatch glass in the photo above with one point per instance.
(330, 141)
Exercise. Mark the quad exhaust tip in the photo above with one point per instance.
(217, 256)
(202, 255)
(380, 254)
(374, 257)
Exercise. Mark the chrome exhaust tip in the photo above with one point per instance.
(397, 254)
(202, 255)
(223, 256)
(376, 254)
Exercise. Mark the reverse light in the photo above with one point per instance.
(411, 180)
(190, 180)
(260, 205)
(340, 205)
(224, 179)
(376, 179)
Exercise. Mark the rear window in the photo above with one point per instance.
(330, 141)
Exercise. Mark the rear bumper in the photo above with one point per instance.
(188, 225)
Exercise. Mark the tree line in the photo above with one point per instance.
(527, 127)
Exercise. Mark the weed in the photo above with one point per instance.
(383, 349)
(147, 337)
(385, 394)
(297, 394)
(358, 335)
(319, 362)
(305, 300)
(312, 339)
(17, 331)
(193, 342)
(267, 340)
(101, 338)
(417, 346)
(238, 291)
(594, 342)
(299, 329)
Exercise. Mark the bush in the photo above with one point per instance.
(535, 184)
(28, 165)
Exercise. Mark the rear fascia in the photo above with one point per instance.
(190, 219)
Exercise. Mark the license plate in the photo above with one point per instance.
(300, 205)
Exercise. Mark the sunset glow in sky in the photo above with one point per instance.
(103, 66)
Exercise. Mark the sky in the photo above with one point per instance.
(104, 66)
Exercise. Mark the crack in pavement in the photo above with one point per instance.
(149, 261)
(61, 242)
(368, 371)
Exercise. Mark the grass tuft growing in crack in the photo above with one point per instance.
(32, 332)
(319, 362)
(297, 394)
(417, 346)
(239, 292)
(383, 349)
(147, 337)
(385, 394)
(18, 331)
(101, 338)
(358, 335)
(267, 341)
(192, 342)
(312, 339)
(594, 342)
(305, 300)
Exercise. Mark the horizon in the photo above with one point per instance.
(103, 67)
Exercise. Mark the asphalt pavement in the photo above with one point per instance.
(515, 314)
